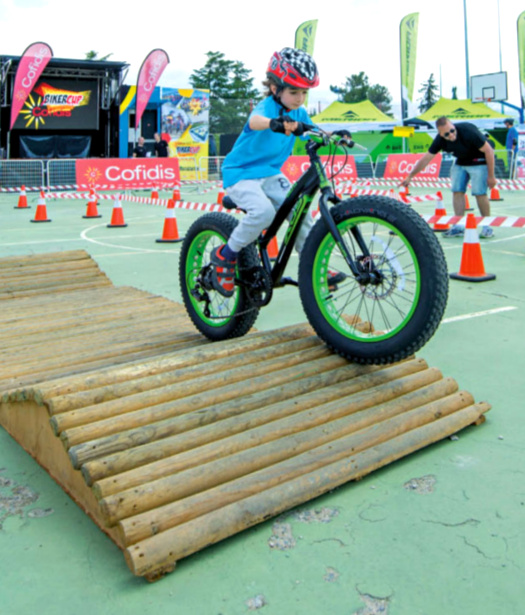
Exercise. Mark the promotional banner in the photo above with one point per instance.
(30, 67)
(305, 36)
(305, 39)
(521, 55)
(149, 75)
(127, 173)
(400, 165)
(342, 167)
(408, 49)
(61, 104)
(185, 126)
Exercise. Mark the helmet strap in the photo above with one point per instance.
(279, 101)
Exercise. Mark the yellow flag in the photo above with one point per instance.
(305, 39)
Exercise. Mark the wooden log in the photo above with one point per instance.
(280, 419)
(161, 518)
(254, 461)
(7, 262)
(125, 354)
(257, 426)
(68, 403)
(167, 547)
(153, 422)
(134, 456)
(173, 361)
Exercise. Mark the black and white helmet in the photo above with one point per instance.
(294, 68)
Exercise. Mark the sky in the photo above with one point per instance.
(352, 36)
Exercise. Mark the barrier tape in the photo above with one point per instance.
(496, 221)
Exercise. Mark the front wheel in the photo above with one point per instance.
(215, 316)
(390, 313)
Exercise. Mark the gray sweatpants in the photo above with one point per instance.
(261, 198)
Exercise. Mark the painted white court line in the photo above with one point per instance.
(107, 244)
(477, 314)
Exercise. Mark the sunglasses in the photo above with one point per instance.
(450, 132)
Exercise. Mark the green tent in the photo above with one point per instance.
(464, 110)
(354, 116)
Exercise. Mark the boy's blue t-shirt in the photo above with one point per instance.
(260, 153)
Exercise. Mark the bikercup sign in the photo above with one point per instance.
(123, 174)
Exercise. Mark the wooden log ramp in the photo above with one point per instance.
(171, 443)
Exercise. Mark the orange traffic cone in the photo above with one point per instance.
(155, 193)
(91, 211)
(440, 211)
(22, 199)
(117, 216)
(273, 248)
(472, 268)
(170, 233)
(176, 194)
(467, 204)
(220, 196)
(494, 195)
(41, 211)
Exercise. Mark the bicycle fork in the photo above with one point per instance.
(363, 276)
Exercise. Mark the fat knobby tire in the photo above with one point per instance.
(217, 227)
(433, 289)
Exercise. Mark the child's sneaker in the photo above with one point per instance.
(334, 278)
(486, 232)
(454, 231)
(223, 273)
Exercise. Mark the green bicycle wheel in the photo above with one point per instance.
(215, 316)
(390, 319)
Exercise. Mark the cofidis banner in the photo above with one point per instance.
(149, 75)
(127, 173)
(32, 63)
(408, 49)
(399, 165)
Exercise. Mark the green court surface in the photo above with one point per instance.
(441, 532)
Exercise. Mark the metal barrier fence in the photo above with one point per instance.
(210, 167)
(61, 172)
(503, 167)
(16, 173)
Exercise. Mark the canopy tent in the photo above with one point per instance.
(354, 116)
(464, 110)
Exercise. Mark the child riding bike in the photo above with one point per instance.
(252, 170)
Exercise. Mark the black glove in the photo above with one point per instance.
(277, 125)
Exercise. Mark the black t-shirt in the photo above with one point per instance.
(466, 146)
(140, 151)
(161, 148)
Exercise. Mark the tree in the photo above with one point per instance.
(357, 89)
(429, 94)
(93, 55)
(455, 93)
(232, 94)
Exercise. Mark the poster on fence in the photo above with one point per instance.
(185, 126)
(342, 168)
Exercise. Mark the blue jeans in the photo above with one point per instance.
(477, 174)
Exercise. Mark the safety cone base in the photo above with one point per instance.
(46, 220)
(115, 225)
(169, 240)
(22, 207)
(96, 216)
(470, 278)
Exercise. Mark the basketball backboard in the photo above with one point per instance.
(491, 87)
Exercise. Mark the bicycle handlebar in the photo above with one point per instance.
(332, 138)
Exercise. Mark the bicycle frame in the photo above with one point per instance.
(300, 197)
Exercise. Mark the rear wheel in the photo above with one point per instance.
(215, 316)
(397, 310)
